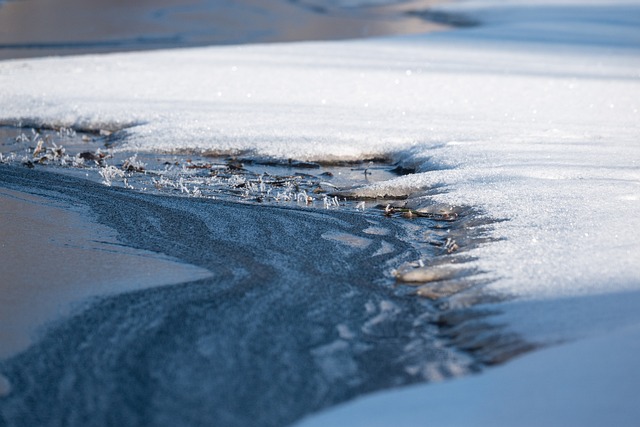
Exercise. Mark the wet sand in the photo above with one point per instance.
(30, 28)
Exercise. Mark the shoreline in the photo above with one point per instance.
(338, 318)
(55, 259)
(36, 28)
(557, 386)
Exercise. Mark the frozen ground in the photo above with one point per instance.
(532, 117)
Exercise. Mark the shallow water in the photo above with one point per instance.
(301, 313)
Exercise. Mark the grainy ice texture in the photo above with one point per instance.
(299, 314)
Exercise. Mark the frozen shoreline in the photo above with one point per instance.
(532, 117)
(592, 382)
(299, 309)
(56, 258)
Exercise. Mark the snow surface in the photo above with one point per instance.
(532, 116)
(549, 388)
(542, 132)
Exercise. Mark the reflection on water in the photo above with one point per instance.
(43, 27)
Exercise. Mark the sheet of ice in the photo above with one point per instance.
(532, 117)
(288, 324)
(42, 28)
(52, 260)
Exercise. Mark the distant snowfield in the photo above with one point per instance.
(534, 117)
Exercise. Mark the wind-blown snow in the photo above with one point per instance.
(533, 116)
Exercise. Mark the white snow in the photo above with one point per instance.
(552, 388)
(533, 116)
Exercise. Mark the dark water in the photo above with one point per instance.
(300, 314)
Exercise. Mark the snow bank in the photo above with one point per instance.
(555, 387)
(532, 116)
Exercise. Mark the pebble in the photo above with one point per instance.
(425, 275)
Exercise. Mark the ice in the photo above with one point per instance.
(347, 3)
(542, 132)
(349, 240)
(335, 360)
(55, 251)
(531, 117)
(5, 386)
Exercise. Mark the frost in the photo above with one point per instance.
(22, 138)
(331, 202)
(109, 173)
(65, 132)
(132, 164)
(336, 361)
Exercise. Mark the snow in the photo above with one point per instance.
(532, 117)
(553, 387)
(542, 132)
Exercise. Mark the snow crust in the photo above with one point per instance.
(533, 116)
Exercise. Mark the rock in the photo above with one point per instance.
(425, 275)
